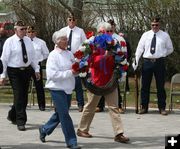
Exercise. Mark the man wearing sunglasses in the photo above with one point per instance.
(17, 56)
(41, 54)
(76, 37)
(154, 46)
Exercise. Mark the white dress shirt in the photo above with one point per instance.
(163, 48)
(78, 37)
(59, 70)
(12, 54)
(41, 50)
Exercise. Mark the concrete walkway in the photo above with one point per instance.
(145, 131)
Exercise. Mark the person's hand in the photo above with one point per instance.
(134, 65)
(38, 76)
(2, 81)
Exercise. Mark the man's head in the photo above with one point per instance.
(113, 25)
(20, 29)
(31, 32)
(71, 20)
(104, 27)
(155, 24)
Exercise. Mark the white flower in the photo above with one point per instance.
(124, 62)
(83, 74)
(77, 60)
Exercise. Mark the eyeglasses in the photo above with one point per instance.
(31, 31)
(154, 24)
(71, 20)
(109, 31)
(23, 29)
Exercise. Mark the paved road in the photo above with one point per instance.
(145, 131)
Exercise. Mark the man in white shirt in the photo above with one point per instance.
(154, 46)
(17, 56)
(41, 54)
(77, 36)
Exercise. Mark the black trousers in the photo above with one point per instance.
(156, 68)
(39, 88)
(19, 79)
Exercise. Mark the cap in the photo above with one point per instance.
(30, 29)
(19, 23)
(155, 19)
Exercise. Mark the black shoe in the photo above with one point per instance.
(13, 122)
(74, 147)
(143, 111)
(21, 128)
(42, 135)
(42, 108)
(80, 108)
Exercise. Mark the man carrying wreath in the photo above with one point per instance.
(102, 63)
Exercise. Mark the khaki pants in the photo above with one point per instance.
(89, 111)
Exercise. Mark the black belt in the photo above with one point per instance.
(153, 59)
(20, 68)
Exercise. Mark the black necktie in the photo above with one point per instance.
(153, 44)
(24, 53)
(69, 41)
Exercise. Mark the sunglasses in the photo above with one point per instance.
(31, 31)
(71, 20)
(154, 24)
(109, 31)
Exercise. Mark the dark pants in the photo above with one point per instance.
(19, 80)
(158, 69)
(39, 88)
(79, 92)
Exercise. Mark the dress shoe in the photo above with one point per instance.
(143, 111)
(163, 112)
(42, 108)
(42, 135)
(83, 134)
(74, 147)
(99, 109)
(121, 111)
(121, 138)
(21, 128)
(80, 108)
(13, 122)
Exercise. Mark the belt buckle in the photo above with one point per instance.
(22, 68)
(153, 60)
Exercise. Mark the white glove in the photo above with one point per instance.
(135, 65)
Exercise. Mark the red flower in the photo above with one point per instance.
(123, 43)
(112, 42)
(78, 54)
(89, 34)
(120, 53)
(75, 66)
(125, 67)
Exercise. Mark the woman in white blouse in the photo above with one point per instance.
(61, 82)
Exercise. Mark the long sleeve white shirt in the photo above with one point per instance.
(78, 37)
(163, 48)
(12, 54)
(59, 72)
(41, 50)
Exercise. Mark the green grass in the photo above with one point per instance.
(7, 97)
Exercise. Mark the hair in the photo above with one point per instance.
(58, 35)
(103, 26)
(111, 22)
